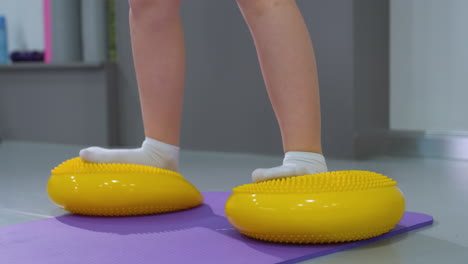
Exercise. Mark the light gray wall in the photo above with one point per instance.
(429, 65)
(24, 22)
(226, 106)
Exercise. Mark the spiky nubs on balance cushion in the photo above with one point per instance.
(112, 189)
(327, 207)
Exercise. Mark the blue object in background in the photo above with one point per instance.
(3, 41)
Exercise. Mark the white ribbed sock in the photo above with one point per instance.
(152, 153)
(295, 163)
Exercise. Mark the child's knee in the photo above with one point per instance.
(154, 8)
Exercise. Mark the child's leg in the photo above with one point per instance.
(288, 65)
(159, 56)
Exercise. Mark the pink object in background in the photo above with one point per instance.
(47, 32)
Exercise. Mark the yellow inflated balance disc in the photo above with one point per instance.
(111, 189)
(327, 207)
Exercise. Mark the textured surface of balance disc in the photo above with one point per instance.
(112, 189)
(327, 207)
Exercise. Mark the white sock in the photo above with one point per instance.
(295, 163)
(152, 153)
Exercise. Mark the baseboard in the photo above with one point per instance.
(451, 145)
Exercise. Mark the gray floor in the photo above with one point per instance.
(432, 186)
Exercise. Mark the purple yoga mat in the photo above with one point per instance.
(200, 235)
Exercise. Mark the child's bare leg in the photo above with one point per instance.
(288, 65)
(159, 56)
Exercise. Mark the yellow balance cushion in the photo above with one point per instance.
(111, 189)
(328, 207)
